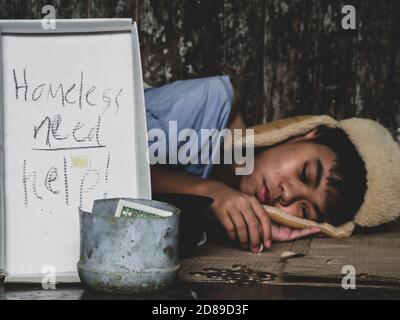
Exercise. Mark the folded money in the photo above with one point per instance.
(136, 210)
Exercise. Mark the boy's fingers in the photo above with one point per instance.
(229, 226)
(280, 233)
(299, 233)
(265, 224)
(253, 227)
(240, 227)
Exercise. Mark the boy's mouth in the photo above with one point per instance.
(263, 194)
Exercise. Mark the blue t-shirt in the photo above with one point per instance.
(194, 104)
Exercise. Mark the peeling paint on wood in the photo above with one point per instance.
(285, 57)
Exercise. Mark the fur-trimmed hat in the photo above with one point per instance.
(376, 147)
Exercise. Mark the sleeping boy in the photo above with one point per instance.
(311, 167)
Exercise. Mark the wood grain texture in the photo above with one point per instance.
(374, 257)
(285, 57)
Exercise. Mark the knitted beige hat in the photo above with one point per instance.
(379, 151)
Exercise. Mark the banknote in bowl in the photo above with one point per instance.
(136, 210)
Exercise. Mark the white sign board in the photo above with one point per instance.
(73, 130)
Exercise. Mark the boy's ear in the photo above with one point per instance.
(312, 134)
(306, 137)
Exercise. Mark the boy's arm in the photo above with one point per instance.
(241, 215)
(170, 181)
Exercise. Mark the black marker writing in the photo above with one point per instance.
(116, 100)
(36, 97)
(80, 91)
(51, 177)
(106, 99)
(17, 87)
(54, 95)
(68, 92)
(37, 129)
(60, 183)
(86, 185)
(66, 182)
(98, 130)
(65, 93)
(78, 126)
(55, 125)
(24, 183)
(82, 134)
(87, 96)
(106, 174)
(25, 179)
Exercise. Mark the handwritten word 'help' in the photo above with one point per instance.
(61, 179)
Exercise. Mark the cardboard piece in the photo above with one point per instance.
(376, 258)
(226, 258)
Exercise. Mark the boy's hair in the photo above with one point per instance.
(347, 178)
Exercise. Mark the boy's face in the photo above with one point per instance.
(292, 176)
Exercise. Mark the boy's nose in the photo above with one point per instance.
(290, 192)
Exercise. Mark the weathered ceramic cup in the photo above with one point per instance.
(127, 255)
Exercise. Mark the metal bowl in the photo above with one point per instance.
(126, 255)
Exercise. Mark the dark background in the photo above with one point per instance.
(286, 57)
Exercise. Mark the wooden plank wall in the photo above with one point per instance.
(285, 57)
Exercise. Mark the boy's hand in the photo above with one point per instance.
(244, 218)
(282, 233)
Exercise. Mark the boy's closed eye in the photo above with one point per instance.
(303, 174)
(304, 211)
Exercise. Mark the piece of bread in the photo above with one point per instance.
(280, 217)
